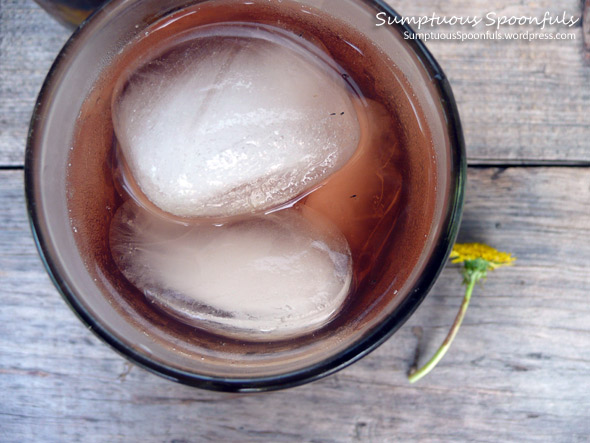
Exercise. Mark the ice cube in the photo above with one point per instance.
(263, 277)
(237, 119)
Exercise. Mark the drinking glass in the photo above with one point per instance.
(191, 356)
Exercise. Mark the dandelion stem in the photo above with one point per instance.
(471, 279)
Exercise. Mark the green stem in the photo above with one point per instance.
(416, 375)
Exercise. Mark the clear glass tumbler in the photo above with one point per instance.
(200, 359)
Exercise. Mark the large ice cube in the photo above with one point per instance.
(264, 277)
(236, 119)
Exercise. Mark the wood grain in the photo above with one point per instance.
(519, 367)
(517, 371)
(520, 101)
(586, 24)
(29, 41)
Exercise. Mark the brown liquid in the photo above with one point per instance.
(382, 200)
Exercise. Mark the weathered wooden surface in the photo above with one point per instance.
(519, 369)
(520, 101)
(29, 41)
(586, 24)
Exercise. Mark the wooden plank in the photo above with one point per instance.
(517, 371)
(520, 101)
(29, 41)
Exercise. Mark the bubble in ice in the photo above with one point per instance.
(265, 277)
(233, 120)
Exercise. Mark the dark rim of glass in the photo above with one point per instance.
(368, 343)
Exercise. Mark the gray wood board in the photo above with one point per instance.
(29, 41)
(520, 101)
(517, 371)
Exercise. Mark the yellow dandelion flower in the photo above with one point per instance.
(477, 260)
(473, 251)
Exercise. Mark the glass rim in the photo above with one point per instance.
(369, 342)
